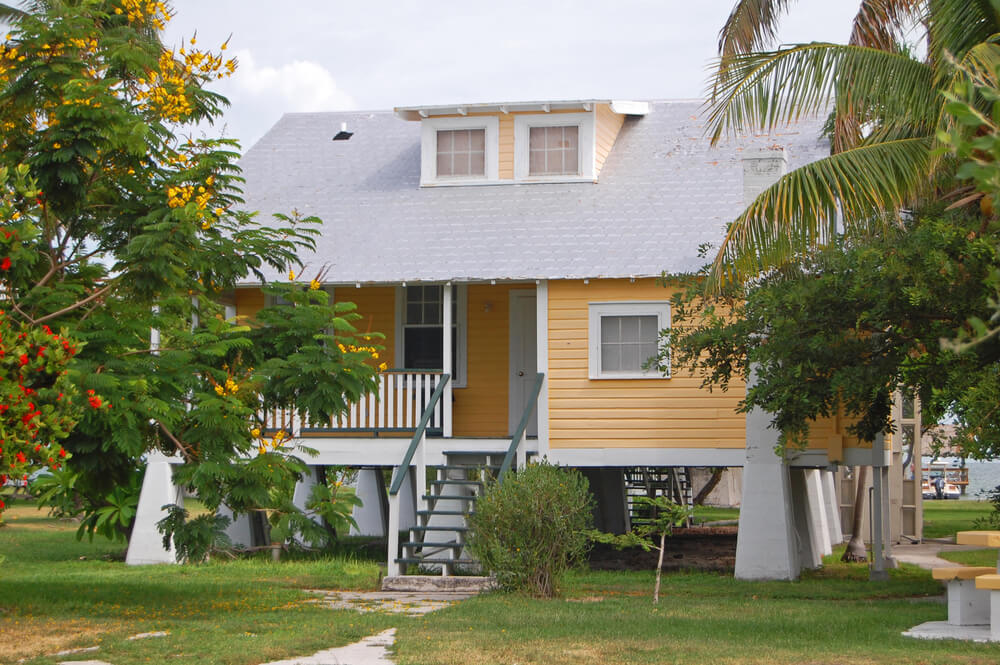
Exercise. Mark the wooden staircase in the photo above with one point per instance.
(673, 482)
(438, 539)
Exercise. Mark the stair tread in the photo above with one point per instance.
(462, 497)
(414, 543)
(436, 560)
(439, 528)
(456, 481)
(442, 512)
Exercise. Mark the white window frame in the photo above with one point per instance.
(460, 294)
(586, 149)
(658, 308)
(429, 127)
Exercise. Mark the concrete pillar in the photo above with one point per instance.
(239, 531)
(765, 544)
(809, 550)
(817, 512)
(832, 504)
(303, 488)
(371, 521)
(611, 507)
(146, 544)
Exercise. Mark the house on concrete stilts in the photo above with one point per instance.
(512, 255)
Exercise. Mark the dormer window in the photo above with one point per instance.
(557, 147)
(554, 150)
(517, 143)
(461, 153)
(458, 150)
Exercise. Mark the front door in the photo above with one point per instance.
(523, 357)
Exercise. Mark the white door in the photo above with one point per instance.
(523, 358)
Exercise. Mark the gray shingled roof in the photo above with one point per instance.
(663, 191)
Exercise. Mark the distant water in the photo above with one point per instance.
(983, 477)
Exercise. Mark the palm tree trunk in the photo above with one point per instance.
(856, 551)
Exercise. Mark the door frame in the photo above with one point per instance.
(515, 327)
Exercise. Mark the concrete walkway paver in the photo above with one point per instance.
(925, 554)
(394, 602)
(373, 650)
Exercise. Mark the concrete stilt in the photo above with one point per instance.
(765, 545)
(809, 552)
(610, 507)
(158, 489)
(239, 531)
(832, 505)
(817, 512)
(371, 521)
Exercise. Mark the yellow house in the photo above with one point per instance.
(512, 254)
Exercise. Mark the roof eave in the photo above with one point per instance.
(623, 107)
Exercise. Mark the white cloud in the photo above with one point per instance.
(301, 85)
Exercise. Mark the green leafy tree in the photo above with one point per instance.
(886, 111)
(116, 224)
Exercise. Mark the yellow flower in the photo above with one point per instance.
(255, 432)
(56, 146)
(218, 212)
(314, 285)
(219, 390)
(383, 366)
(291, 275)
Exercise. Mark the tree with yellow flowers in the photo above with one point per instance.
(115, 224)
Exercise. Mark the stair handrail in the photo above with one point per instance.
(515, 440)
(418, 435)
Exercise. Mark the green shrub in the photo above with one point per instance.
(531, 528)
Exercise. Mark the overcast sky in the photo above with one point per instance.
(315, 55)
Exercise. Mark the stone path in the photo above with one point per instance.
(925, 554)
(372, 650)
(396, 602)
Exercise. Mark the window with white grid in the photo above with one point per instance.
(461, 153)
(625, 340)
(554, 150)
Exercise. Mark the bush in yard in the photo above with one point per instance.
(529, 529)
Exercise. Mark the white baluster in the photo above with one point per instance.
(389, 395)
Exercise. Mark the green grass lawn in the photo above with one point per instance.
(714, 514)
(57, 593)
(942, 519)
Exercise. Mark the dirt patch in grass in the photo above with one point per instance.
(24, 637)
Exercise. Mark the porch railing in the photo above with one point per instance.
(397, 405)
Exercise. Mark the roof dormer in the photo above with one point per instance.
(517, 143)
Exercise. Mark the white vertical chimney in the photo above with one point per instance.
(761, 169)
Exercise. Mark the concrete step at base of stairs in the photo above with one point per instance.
(438, 583)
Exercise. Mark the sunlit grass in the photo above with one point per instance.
(942, 519)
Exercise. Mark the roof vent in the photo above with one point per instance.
(343, 134)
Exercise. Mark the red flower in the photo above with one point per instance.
(20, 457)
(24, 359)
(62, 452)
(95, 402)
(5, 264)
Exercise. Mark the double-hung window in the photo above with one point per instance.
(420, 329)
(457, 151)
(555, 147)
(624, 340)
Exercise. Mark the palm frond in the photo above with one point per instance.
(865, 186)
(752, 26)
(766, 90)
(882, 24)
(955, 26)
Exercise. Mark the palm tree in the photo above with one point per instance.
(886, 109)
(884, 98)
